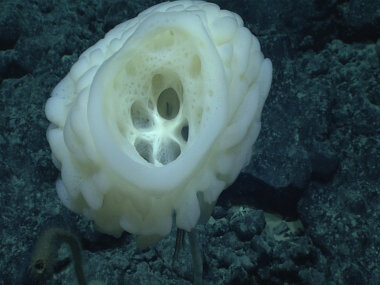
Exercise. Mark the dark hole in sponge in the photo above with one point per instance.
(145, 149)
(185, 132)
(168, 104)
(140, 116)
(168, 152)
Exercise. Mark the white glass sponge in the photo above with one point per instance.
(158, 118)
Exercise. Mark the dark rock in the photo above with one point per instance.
(247, 225)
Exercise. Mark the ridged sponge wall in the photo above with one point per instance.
(158, 118)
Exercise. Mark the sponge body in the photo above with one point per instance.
(159, 114)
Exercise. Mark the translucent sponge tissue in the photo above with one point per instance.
(155, 120)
